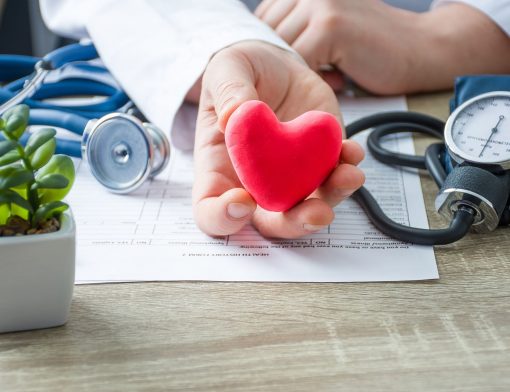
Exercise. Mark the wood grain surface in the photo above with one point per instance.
(446, 335)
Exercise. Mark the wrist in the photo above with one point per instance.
(414, 47)
(437, 59)
(386, 58)
(460, 40)
(423, 51)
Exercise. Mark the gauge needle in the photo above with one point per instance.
(493, 131)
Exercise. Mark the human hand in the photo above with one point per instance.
(256, 70)
(387, 50)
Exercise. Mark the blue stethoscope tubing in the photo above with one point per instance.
(113, 102)
(55, 118)
(15, 70)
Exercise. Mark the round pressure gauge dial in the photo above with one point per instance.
(479, 130)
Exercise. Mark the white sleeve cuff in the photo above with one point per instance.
(497, 10)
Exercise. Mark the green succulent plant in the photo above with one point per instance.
(33, 181)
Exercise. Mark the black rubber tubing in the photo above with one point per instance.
(459, 226)
(397, 122)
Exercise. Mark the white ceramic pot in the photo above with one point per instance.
(37, 278)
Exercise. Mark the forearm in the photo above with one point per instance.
(457, 40)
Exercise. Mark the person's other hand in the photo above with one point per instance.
(387, 50)
(256, 70)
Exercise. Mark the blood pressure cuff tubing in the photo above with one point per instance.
(467, 87)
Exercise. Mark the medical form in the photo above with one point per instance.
(150, 235)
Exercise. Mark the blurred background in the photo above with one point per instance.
(22, 30)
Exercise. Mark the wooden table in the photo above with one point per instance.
(446, 335)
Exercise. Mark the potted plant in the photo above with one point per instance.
(37, 231)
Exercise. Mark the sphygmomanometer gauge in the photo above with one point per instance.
(478, 131)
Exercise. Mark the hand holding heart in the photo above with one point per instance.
(221, 204)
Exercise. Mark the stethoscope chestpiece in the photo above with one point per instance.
(123, 152)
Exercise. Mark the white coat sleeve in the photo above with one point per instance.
(157, 49)
(497, 10)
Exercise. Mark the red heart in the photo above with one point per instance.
(281, 163)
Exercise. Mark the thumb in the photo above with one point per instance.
(229, 81)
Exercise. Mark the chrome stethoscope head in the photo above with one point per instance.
(123, 152)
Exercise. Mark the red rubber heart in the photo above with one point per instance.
(281, 163)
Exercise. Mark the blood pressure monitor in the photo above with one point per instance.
(471, 166)
(478, 132)
(477, 139)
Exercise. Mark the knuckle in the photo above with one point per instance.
(226, 89)
(330, 22)
(224, 55)
(227, 97)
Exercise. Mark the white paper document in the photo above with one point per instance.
(150, 235)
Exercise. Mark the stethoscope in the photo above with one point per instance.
(471, 166)
(122, 149)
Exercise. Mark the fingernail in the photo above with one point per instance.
(238, 210)
(309, 227)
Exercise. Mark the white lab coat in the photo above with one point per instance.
(157, 49)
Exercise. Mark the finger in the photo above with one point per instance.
(341, 184)
(352, 153)
(313, 47)
(335, 80)
(225, 214)
(219, 206)
(292, 25)
(229, 81)
(309, 216)
(263, 7)
(277, 12)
